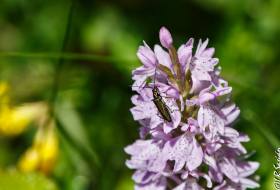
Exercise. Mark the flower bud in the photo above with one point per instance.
(165, 38)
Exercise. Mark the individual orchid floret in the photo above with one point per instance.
(186, 116)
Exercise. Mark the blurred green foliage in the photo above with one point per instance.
(15, 180)
(93, 99)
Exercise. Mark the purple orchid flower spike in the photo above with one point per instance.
(197, 148)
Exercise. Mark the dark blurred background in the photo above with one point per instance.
(92, 94)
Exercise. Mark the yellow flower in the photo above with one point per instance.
(43, 153)
(30, 160)
(14, 120)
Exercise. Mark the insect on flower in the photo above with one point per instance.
(163, 109)
(160, 104)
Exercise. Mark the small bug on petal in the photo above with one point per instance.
(161, 106)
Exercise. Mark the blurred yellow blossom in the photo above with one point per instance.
(42, 155)
(14, 120)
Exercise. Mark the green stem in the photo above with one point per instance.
(86, 153)
(64, 56)
(58, 69)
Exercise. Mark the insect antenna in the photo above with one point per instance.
(140, 86)
(155, 76)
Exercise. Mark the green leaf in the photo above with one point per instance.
(14, 180)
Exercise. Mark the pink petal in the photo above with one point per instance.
(232, 116)
(205, 97)
(247, 183)
(195, 157)
(146, 56)
(165, 38)
(163, 57)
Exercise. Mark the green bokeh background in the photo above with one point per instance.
(93, 99)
